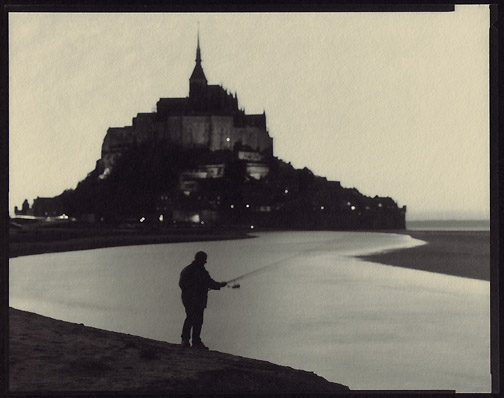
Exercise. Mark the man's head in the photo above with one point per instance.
(200, 258)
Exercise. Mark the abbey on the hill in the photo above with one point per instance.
(201, 161)
(209, 117)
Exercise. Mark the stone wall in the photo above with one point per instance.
(195, 131)
(222, 133)
(116, 141)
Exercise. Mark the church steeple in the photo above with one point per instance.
(198, 76)
(198, 51)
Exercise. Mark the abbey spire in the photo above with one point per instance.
(198, 51)
(198, 76)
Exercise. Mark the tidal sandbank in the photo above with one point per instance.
(48, 355)
(458, 253)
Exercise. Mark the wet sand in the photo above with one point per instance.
(458, 253)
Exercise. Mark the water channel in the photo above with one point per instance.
(311, 306)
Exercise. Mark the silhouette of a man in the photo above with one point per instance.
(195, 281)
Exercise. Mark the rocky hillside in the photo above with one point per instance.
(146, 184)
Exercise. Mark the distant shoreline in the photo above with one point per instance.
(449, 225)
(458, 253)
(44, 241)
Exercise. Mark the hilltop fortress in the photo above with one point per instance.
(208, 118)
(201, 161)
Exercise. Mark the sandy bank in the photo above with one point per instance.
(458, 253)
(31, 241)
(48, 355)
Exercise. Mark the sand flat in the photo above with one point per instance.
(458, 253)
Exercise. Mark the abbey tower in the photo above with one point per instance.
(209, 117)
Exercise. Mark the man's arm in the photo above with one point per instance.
(214, 285)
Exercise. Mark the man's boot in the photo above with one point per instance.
(198, 345)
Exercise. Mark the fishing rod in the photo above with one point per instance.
(246, 275)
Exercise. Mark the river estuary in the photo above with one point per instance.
(311, 306)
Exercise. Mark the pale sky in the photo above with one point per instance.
(393, 104)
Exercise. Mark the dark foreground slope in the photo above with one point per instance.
(48, 355)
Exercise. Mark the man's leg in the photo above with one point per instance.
(197, 324)
(188, 324)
